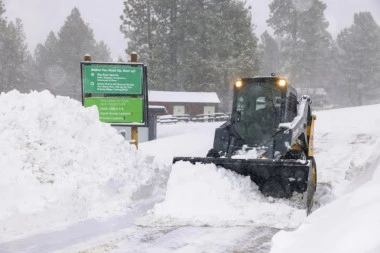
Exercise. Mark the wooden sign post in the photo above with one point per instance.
(134, 129)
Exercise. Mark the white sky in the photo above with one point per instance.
(42, 16)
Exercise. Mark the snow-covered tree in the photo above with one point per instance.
(359, 59)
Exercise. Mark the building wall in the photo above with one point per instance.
(190, 108)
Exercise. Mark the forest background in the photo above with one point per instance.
(203, 46)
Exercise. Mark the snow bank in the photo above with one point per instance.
(344, 140)
(351, 223)
(204, 194)
(59, 165)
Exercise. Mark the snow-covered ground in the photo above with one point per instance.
(348, 155)
(72, 184)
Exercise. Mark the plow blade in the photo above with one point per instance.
(276, 178)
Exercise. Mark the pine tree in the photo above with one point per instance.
(51, 73)
(102, 52)
(2, 19)
(58, 59)
(3, 28)
(235, 45)
(150, 26)
(75, 39)
(138, 24)
(13, 55)
(304, 41)
(191, 45)
(196, 30)
(16, 63)
(359, 59)
(271, 59)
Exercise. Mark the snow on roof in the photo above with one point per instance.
(183, 97)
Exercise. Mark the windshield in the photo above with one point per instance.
(257, 112)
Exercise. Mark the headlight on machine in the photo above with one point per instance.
(281, 83)
(239, 83)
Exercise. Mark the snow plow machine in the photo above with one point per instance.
(268, 118)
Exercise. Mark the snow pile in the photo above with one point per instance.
(59, 164)
(247, 153)
(204, 194)
(351, 223)
(344, 140)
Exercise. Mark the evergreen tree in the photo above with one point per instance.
(271, 59)
(3, 28)
(15, 61)
(102, 52)
(58, 59)
(305, 43)
(359, 59)
(75, 39)
(192, 45)
(3, 21)
(47, 64)
(235, 45)
(32, 75)
(13, 55)
(137, 26)
(196, 47)
(147, 25)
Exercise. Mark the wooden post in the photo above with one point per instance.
(87, 57)
(134, 129)
(133, 57)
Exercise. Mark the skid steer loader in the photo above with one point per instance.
(268, 117)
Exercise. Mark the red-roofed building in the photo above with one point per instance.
(191, 103)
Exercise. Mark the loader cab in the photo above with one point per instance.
(258, 108)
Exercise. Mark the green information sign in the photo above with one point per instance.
(117, 109)
(112, 79)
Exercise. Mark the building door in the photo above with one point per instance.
(178, 109)
(208, 109)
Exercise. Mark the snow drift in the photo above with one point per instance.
(351, 223)
(59, 164)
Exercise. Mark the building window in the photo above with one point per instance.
(178, 109)
(208, 109)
